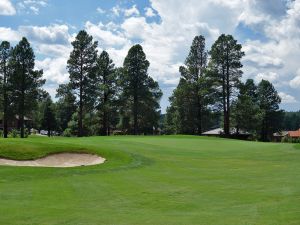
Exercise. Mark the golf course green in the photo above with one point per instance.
(163, 180)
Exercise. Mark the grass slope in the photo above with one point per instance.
(168, 180)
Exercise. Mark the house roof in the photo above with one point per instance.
(294, 133)
(281, 134)
(216, 131)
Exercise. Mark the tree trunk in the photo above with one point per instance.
(104, 124)
(105, 113)
(135, 114)
(227, 118)
(226, 130)
(22, 105)
(80, 133)
(5, 103)
(80, 114)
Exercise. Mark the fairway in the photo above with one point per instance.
(163, 180)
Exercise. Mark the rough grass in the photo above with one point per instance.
(168, 180)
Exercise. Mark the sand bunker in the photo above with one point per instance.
(58, 160)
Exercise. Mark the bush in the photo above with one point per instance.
(26, 133)
(14, 133)
(67, 132)
(1, 133)
(287, 139)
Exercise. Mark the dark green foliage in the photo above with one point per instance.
(49, 120)
(5, 54)
(107, 92)
(272, 116)
(24, 81)
(140, 94)
(291, 121)
(82, 68)
(245, 110)
(225, 66)
(189, 111)
(65, 106)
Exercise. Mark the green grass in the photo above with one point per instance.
(167, 180)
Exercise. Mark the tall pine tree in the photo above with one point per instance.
(5, 54)
(225, 65)
(24, 81)
(272, 116)
(107, 90)
(140, 94)
(81, 67)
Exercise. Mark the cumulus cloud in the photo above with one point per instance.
(100, 10)
(53, 34)
(7, 8)
(269, 76)
(7, 34)
(295, 82)
(31, 6)
(54, 69)
(105, 34)
(149, 12)
(286, 98)
(131, 11)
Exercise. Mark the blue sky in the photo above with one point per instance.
(268, 29)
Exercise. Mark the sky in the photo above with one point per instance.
(269, 31)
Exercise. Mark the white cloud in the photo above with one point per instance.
(31, 6)
(7, 34)
(100, 10)
(54, 69)
(105, 35)
(34, 9)
(269, 76)
(295, 82)
(286, 98)
(116, 10)
(7, 8)
(131, 11)
(54, 34)
(149, 12)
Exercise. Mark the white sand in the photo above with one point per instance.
(58, 160)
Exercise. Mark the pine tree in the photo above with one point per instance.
(272, 116)
(81, 67)
(225, 65)
(246, 111)
(192, 96)
(65, 106)
(107, 84)
(24, 81)
(49, 120)
(5, 54)
(140, 94)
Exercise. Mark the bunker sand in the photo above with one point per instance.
(58, 160)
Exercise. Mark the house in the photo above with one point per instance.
(214, 132)
(14, 123)
(277, 137)
(294, 134)
(240, 134)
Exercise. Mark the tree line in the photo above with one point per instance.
(210, 92)
(99, 96)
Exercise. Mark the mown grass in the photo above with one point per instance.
(168, 180)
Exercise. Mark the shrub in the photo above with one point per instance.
(26, 133)
(1, 133)
(67, 132)
(14, 133)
